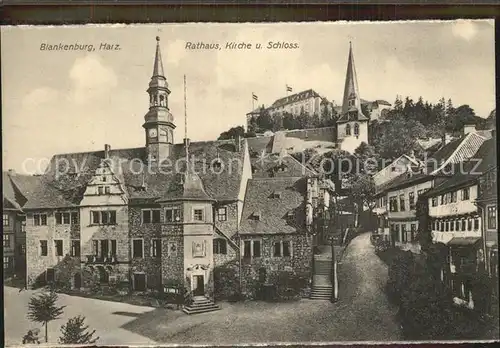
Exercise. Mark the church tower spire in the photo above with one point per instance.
(351, 101)
(352, 123)
(159, 123)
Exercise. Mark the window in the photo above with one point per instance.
(492, 217)
(464, 228)
(62, 218)
(403, 233)
(457, 225)
(476, 223)
(74, 218)
(107, 190)
(413, 231)
(58, 243)
(156, 247)
(220, 246)
(442, 226)
(447, 226)
(419, 193)
(222, 214)
(402, 202)
(113, 247)
(40, 219)
(396, 229)
(100, 190)
(442, 200)
(282, 249)
(6, 240)
(251, 248)
(411, 197)
(198, 214)
(453, 196)
(434, 201)
(256, 248)
(43, 248)
(348, 129)
(393, 204)
(6, 220)
(6, 262)
(469, 224)
(151, 216)
(247, 248)
(22, 249)
(104, 248)
(103, 179)
(465, 194)
(75, 248)
(172, 215)
(95, 247)
(104, 217)
(356, 129)
(137, 248)
(452, 226)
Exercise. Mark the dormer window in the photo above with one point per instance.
(276, 194)
(100, 190)
(290, 214)
(103, 179)
(356, 129)
(256, 215)
(217, 164)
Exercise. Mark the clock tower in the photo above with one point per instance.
(159, 122)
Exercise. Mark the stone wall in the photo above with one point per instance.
(148, 264)
(300, 262)
(64, 265)
(172, 266)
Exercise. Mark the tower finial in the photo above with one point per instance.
(158, 65)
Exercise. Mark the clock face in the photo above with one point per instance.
(152, 132)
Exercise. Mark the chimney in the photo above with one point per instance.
(107, 148)
(468, 128)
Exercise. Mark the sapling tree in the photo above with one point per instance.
(43, 309)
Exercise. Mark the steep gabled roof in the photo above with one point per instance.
(277, 215)
(351, 112)
(279, 166)
(467, 172)
(17, 188)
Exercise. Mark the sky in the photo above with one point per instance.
(76, 101)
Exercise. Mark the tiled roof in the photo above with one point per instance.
(17, 188)
(458, 150)
(466, 172)
(353, 114)
(278, 215)
(295, 98)
(274, 166)
(141, 181)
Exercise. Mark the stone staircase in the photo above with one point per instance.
(322, 270)
(200, 304)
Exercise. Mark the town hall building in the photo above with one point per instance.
(116, 219)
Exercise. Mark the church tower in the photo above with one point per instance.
(159, 122)
(352, 124)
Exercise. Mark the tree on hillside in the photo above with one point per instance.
(362, 189)
(232, 133)
(398, 137)
(75, 332)
(398, 103)
(43, 309)
(288, 121)
(264, 121)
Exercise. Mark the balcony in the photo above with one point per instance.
(96, 260)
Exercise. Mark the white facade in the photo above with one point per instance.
(351, 134)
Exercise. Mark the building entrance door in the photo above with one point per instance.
(199, 283)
